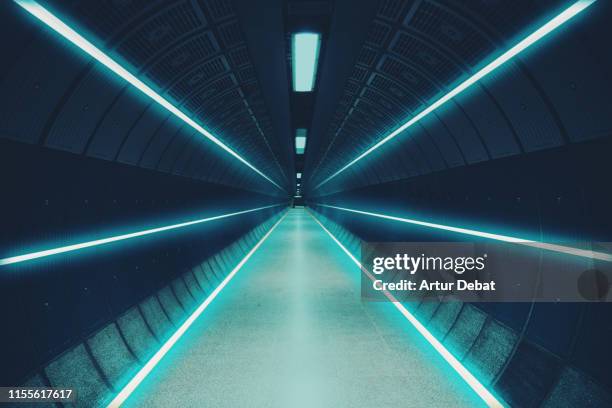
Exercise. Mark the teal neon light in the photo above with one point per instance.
(531, 39)
(300, 140)
(75, 38)
(602, 256)
(131, 386)
(123, 237)
(305, 58)
(455, 364)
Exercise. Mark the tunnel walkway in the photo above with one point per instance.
(291, 331)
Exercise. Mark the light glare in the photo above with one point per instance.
(305, 56)
(300, 140)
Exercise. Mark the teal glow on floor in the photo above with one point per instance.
(291, 331)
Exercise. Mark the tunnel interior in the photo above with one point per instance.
(188, 186)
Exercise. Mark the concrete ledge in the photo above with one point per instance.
(444, 318)
(155, 317)
(35, 381)
(203, 280)
(193, 286)
(529, 377)
(465, 330)
(214, 271)
(490, 351)
(182, 293)
(171, 305)
(426, 310)
(112, 355)
(137, 334)
(209, 268)
(574, 389)
(75, 369)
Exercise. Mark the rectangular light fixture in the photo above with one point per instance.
(304, 60)
(531, 39)
(300, 140)
(85, 45)
(75, 247)
(298, 175)
(131, 386)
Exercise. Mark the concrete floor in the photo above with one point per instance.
(290, 330)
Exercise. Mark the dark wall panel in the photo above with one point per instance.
(83, 110)
(116, 125)
(31, 94)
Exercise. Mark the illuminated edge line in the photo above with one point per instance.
(467, 376)
(53, 22)
(547, 28)
(150, 365)
(102, 241)
(585, 253)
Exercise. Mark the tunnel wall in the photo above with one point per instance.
(554, 94)
(101, 360)
(54, 95)
(53, 304)
(529, 354)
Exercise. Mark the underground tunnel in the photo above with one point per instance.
(306, 203)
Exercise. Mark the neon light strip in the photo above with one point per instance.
(150, 365)
(467, 376)
(602, 256)
(75, 38)
(541, 32)
(88, 244)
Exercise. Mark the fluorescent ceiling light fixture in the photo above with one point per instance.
(102, 241)
(602, 256)
(298, 175)
(75, 38)
(531, 39)
(300, 140)
(150, 365)
(304, 60)
(467, 376)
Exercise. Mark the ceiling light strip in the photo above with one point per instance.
(531, 39)
(305, 58)
(75, 38)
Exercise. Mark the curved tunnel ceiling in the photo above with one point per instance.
(417, 51)
(227, 64)
(194, 55)
(211, 61)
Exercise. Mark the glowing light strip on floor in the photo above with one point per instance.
(602, 256)
(467, 376)
(150, 365)
(531, 39)
(75, 38)
(88, 244)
